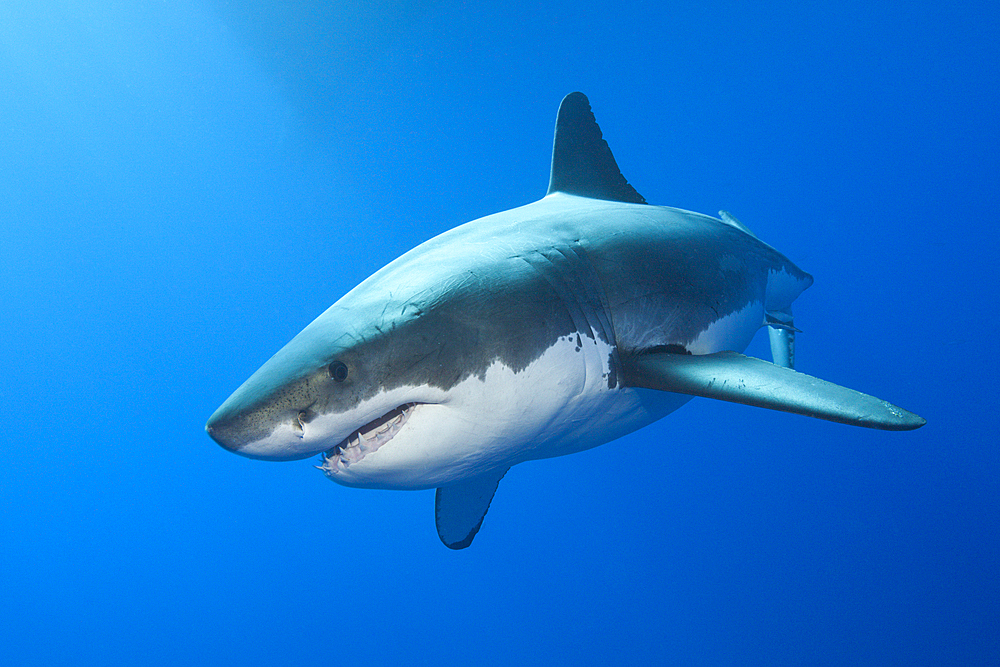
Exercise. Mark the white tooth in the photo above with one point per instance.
(361, 438)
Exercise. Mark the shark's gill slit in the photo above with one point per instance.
(365, 440)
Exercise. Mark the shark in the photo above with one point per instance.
(536, 332)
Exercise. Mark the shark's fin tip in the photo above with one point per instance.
(459, 509)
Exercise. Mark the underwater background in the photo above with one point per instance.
(185, 185)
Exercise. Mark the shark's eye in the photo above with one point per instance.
(338, 371)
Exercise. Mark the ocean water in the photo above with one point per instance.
(184, 185)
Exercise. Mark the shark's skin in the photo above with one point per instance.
(536, 332)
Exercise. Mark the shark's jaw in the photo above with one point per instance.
(365, 440)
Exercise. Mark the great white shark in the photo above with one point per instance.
(536, 332)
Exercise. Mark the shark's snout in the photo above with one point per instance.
(218, 431)
(261, 432)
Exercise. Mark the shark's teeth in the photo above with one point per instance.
(364, 441)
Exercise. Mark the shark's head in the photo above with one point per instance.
(396, 384)
(342, 390)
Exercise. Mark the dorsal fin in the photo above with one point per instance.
(582, 163)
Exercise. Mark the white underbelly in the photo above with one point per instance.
(559, 404)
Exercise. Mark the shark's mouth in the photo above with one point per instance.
(365, 440)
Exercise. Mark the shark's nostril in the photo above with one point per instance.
(301, 420)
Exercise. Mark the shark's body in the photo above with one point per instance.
(536, 332)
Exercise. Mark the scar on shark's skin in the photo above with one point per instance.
(532, 333)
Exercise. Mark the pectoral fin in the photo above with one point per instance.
(730, 376)
(459, 509)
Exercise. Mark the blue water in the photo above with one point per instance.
(184, 185)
